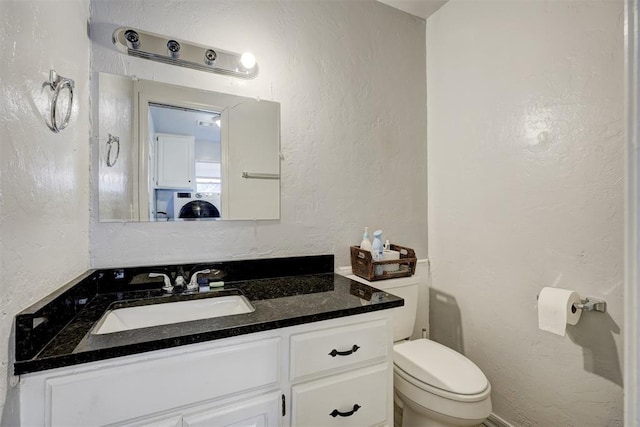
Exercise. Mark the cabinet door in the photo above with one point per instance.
(356, 398)
(176, 161)
(148, 387)
(261, 411)
(171, 420)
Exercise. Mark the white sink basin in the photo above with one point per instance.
(143, 316)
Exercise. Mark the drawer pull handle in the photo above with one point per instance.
(335, 352)
(335, 412)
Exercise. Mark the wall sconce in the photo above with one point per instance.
(184, 54)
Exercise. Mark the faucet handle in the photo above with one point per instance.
(179, 281)
(193, 283)
(167, 281)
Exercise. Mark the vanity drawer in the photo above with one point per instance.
(355, 398)
(335, 348)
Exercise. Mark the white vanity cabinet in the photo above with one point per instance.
(294, 376)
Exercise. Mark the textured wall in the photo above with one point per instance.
(44, 181)
(350, 77)
(525, 132)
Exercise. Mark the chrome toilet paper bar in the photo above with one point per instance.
(590, 304)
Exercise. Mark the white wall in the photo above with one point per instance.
(44, 185)
(350, 77)
(525, 132)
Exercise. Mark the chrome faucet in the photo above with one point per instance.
(168, 287)
(180, 281)
(193, 283)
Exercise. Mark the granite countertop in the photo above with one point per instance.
(308, 295)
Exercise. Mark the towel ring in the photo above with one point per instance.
(110, 142)
(58, 83)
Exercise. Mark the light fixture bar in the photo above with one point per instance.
(173, 51)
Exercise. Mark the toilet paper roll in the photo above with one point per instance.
(555, 309)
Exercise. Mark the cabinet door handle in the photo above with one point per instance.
(335, 412)
(335, 352)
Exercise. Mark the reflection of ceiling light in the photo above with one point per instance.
(205, 124)
(218, 122)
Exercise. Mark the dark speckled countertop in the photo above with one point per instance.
(56, 332)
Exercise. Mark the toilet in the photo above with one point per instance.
(434, 385)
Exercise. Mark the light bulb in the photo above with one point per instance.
(248, 60)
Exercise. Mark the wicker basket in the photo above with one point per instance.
(363, 264)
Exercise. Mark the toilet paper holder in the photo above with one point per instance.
(589, 304)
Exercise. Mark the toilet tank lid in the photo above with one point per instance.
(439, 366)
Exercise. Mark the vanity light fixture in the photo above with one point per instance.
(173, 51)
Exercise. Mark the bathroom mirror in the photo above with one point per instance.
(172, 153)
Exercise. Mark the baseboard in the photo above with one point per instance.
(495, 421)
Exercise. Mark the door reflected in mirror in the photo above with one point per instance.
(185, 181)
(190, 155)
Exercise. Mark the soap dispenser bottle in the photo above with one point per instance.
(366, 243)
(377, 251)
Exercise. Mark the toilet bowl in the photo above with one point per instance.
(434, 385)
(438, 387)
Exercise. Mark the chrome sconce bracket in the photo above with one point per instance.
(173, 51)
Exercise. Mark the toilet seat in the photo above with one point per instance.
(440, 370)
(462, 398)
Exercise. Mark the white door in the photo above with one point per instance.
(175, 162)
(251, 175)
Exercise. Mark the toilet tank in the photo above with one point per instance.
(404, 317)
